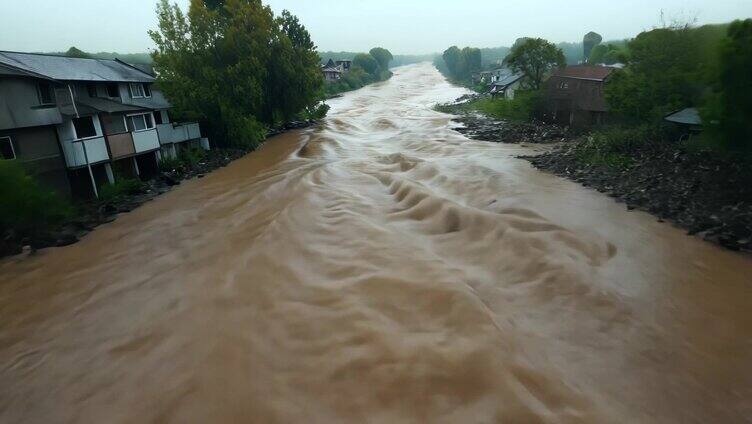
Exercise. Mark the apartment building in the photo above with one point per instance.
(80, 123)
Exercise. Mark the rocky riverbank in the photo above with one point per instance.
(706, 195)
(478, 126)
(93, 213)
(709, 196)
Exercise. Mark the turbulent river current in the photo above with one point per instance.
(379, 268)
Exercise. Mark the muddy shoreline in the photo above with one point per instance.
(93, 213)
(707, 196)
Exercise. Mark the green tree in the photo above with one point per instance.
(473, 61)
(383, 56)
(534, 58)
(590, 40)
(295, 83)
(235, 67)
(367, 63)
(455, 61)
(608, 54)
(461, 64)
(728, 112)
(661, 76)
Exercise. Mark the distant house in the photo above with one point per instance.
(506, 85)
(332, 74)
(345, 65)
(574, 95)
(79, 123)
(688, 120)
(333, 71)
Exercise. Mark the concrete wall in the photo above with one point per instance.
(19, 104)
(34, 142)
(512, 89)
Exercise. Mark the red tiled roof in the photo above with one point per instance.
(598, 73)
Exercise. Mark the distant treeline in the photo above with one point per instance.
(133, 58)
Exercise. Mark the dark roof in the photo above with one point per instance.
(508, 80)
(688, 116)
(73, 69)
(107, 105)
(586, 72)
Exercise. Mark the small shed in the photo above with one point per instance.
(688, 120)
(687, 117)
(575, 95)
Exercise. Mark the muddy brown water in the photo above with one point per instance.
(380, 268)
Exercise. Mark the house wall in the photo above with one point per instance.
(575, 102)
(512, 88)
(19, 104)
(37, 148)
(331, 76)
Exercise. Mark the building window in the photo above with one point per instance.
(564, 85)
(147, 90)
(113, 90)
(46, 93)
(84, 127)
(158, 117)
(6, 148)
(141, 122)
(137, 90)
(92, 89)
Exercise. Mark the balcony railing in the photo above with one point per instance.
(121, 145)
(145, 140)
(96, 151)
(178, 133)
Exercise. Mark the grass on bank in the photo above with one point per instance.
(613, 147)
(27, 207)
(523, 107)
(121, 188)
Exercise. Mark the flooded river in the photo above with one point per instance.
(380, 268)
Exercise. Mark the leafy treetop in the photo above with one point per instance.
(534, 58)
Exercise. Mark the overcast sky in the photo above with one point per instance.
(403, 26)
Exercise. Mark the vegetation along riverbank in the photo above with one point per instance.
(666, 131)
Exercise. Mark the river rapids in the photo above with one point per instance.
(379, 268)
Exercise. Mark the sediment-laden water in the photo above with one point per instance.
(381, 268)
